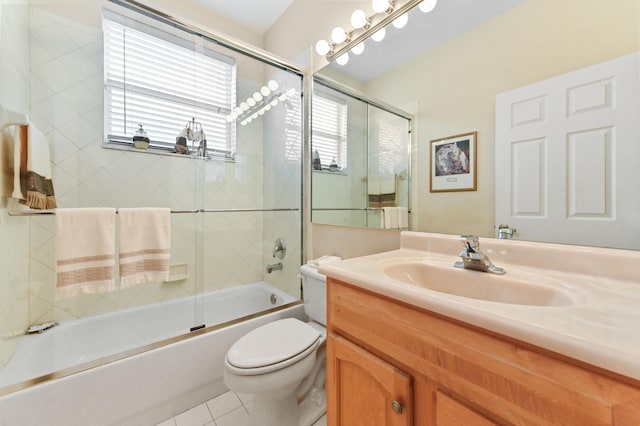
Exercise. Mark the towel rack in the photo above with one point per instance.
(53, 212)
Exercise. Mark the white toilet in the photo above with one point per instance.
(283, 363)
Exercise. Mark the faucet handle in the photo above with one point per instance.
(471, 243)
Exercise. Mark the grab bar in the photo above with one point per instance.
(52, 212)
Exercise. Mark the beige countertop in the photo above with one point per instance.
(597, 320)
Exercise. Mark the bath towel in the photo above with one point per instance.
(145, 245)
(382, 190)
(85, 251)
(32, 183)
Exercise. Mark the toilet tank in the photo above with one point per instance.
(315, 294)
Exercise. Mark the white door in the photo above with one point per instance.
(568, 157)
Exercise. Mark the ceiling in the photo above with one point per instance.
(263, 13)
(424, 31)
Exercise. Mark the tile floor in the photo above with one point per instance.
(228, 409)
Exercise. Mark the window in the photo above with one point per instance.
(163, 77)
(329, 128)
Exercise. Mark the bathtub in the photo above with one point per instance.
(128, 367)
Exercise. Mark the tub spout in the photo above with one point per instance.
(274, 267)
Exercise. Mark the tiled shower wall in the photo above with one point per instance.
(219, 249)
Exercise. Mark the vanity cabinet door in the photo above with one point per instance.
(366, 390)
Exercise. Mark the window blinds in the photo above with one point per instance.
(162, 80)
(329, 128)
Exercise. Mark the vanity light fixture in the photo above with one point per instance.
(385, 12)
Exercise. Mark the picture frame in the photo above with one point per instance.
(453, 163)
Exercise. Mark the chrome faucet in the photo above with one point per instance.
(274, 267)
(505, 232)
(473, 258)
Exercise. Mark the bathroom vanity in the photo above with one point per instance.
(529, 347)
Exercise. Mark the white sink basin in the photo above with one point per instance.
(477, 285)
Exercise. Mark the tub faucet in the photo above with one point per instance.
(473, 258)
(274, 267)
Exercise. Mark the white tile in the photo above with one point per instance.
(237, 417)
(223, 404)
(197, 416)
(169, 422)
(54, 39)
(246, 398)
(55, 75)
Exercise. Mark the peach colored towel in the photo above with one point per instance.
(145, 245)
(85, 251)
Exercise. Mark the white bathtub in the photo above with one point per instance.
(144, 388)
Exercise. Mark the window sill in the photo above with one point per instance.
(161, 151)
(329, 172)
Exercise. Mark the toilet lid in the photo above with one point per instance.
(272, 343)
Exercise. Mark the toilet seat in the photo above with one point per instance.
(272, 347)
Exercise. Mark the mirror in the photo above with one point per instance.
(360, 159)
(465, 56)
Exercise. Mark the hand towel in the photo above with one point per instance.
(32, 184)
(389, 218)
(145, 245)
(403, 217)
(85, 251)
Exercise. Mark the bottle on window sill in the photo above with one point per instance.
(140, 139)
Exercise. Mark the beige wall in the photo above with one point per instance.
(307, 21)
(455, 87)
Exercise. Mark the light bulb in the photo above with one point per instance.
(244, 106)
(282, 97)
(274, 102)
(267, 107)
(261, 112)
(358, 49)
(380, 6)
(401, 21)
(251, 102)
(265, 91)
(238, 110)
(338, 35)
(343, 59)
(358, 19)
(273, 85)
(322, 47)
(427, 5)
(379, 35)
(257, 96)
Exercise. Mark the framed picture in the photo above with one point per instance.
(453, 163)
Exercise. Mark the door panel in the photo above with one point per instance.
(365, 388)
(566, 154)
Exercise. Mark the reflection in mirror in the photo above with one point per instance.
(360, 157)
(462, 57)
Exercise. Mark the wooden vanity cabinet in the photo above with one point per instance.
(389, 363)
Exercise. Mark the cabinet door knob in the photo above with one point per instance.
(396, 406)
